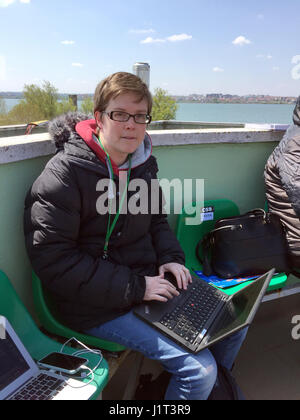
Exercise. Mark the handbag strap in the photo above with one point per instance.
(253, 213)
(258, 212)
(227, 227)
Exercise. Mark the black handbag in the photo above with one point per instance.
(245, 245)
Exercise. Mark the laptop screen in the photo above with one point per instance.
(239, 310)
(12, 363)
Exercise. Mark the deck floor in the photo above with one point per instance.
(268, 365)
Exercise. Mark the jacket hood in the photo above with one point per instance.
(296, 115)
(74, 126)
(62, 128)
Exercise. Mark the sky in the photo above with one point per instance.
(192, 46)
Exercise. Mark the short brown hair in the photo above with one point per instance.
(117, 84)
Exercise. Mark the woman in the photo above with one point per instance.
(99, 264)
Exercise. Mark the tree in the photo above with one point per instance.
(64, 106)
(23, 113)
(2, 106)
(87, 105)
(164, 107)
(39, 103)
(44, 99)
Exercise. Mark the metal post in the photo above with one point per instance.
(73, 99)
(142, 70)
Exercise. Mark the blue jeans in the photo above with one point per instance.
(193, 375)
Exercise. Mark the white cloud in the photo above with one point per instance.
(2, 67)
(218, 70)
(77, 65)
(296, 68)
(142, 31)
(181, 37)
(6, 3)
(241, 40)
(151, 40)
(172, 38)
(66, 42)
(267, 57)
(276, 68)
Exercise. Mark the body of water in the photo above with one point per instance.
(10, 103)
(235, 113)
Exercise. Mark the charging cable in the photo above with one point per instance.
(85, 350)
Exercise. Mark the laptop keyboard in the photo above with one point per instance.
(190, 319)
(43, 387)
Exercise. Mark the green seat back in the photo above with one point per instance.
(37, 343)
(49, 319)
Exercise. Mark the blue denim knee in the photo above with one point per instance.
(193, 376)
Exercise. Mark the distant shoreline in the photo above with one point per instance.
(219, 113)
(236, 103)
(81, 97)
(208, 99)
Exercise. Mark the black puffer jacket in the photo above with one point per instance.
(65, 234)
(282, 180)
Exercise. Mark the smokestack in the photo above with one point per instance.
(142, 70)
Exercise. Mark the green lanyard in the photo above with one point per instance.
(110, 227)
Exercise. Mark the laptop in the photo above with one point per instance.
(202, 315)
(22, 379)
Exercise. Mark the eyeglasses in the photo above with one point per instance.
(121, 116)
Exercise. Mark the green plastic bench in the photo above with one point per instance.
(37, 343)
(294, 271)
(190, 235)
(48, 318)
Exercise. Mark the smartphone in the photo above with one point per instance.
(62, 362)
